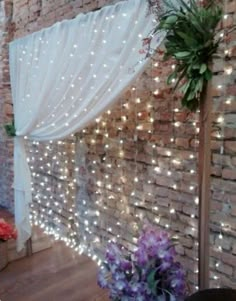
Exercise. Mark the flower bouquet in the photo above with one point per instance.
(7, 232)
(150, 274)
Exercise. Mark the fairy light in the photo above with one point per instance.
(156, 92)
(46, 213)
(135, 138)
(177, 124)
(228, 70)
(106, 182)
(220, 119)
(157, 169)
(122, 178)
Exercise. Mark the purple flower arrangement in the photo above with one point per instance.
(150, 274)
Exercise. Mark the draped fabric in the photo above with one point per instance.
(63, 77)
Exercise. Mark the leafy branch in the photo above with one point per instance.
(191, 39)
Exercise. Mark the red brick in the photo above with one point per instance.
(231, 7)
(230, 147)
(182, 142)
(229, 174)
(231, 90)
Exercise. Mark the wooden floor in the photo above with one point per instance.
(57, 274)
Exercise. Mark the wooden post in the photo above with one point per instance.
(204, 185)
(29, 250)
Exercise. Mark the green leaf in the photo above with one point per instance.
(199, 85)
(152, 282)
(10, 129)
(183, 54)
(171, 77)
(169, 4)
(171, 19)
(208, 74)
(186, 6)
(191, 95)
(190, 41)
(196, 66)
(203, 68)
(185, 87)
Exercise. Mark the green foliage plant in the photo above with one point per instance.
(192, 39)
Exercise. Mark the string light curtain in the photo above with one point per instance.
(63, 77)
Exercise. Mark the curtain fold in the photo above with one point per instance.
(65, 76)
(22, 192)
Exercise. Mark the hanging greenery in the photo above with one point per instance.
(192, 38)
(10, 129)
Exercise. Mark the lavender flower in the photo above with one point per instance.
(113, 253)
(102, 278)
(150, 274)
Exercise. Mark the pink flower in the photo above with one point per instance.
(7, 231)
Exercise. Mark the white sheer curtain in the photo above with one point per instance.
(63, 77)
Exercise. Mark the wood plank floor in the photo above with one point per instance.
(57, 274)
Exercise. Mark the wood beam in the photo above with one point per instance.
(204, 185)
(29, 249)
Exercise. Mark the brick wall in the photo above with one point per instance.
(223, 184)
(33, 15)
(140, 166)
(6, 146)
(136, 164)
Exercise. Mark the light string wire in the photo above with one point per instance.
(136, 100)
(193, 172)
(155, 80)
(121, 164)
(172, 169)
